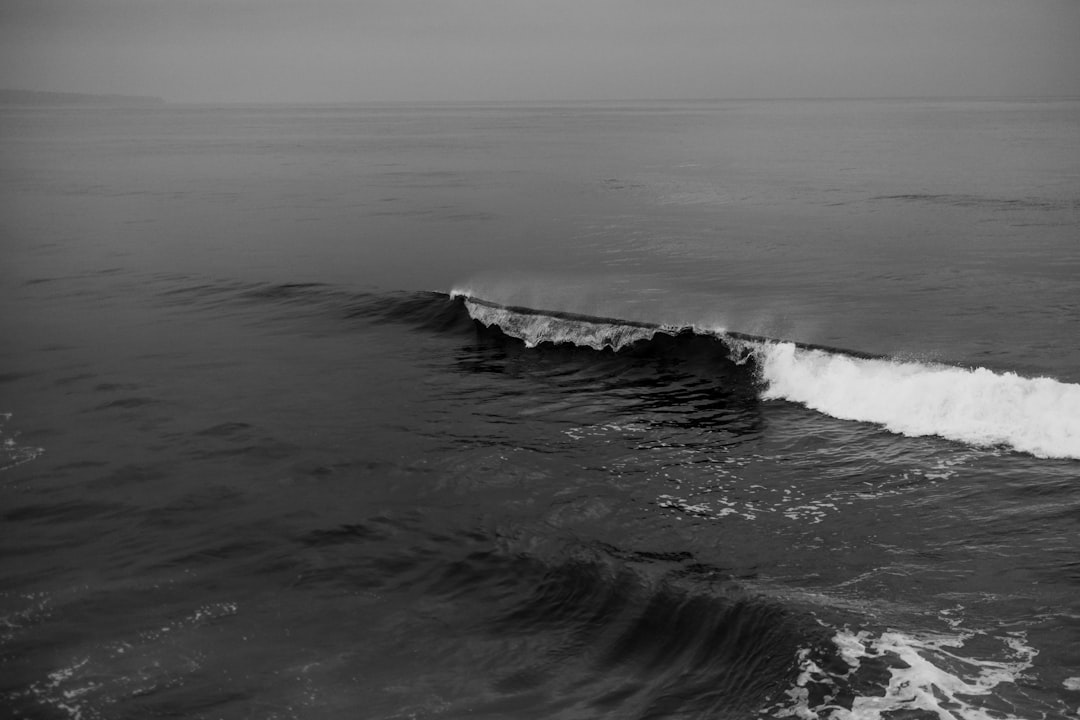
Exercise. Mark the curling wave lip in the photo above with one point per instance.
(672, 329)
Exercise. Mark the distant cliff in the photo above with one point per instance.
(35, 97)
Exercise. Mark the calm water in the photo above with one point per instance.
(433, 411)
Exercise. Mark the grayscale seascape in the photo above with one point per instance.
(539, 360)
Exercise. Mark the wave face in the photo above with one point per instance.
(580, 630)
(977, 406)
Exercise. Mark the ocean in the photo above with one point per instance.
(717, 409)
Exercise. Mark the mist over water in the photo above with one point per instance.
(697, 409)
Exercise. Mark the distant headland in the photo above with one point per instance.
(37, 97)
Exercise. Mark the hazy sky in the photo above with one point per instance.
(356, 50)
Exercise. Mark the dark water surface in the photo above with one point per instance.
(432, 411)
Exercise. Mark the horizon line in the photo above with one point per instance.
(531, 101)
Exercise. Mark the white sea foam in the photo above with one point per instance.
(12, 452)
(928, 675)
(1040, 416)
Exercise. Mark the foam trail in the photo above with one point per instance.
(927, 678)
(11, 452)
(1040, 416)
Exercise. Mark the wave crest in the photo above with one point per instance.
(977, 406)
(534, 328)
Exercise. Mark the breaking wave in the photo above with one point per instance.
(977, 406)
(1040, 416)
(973, 405)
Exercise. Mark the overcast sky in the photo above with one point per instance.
(358, 50)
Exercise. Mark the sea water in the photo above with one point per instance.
(661, 409)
